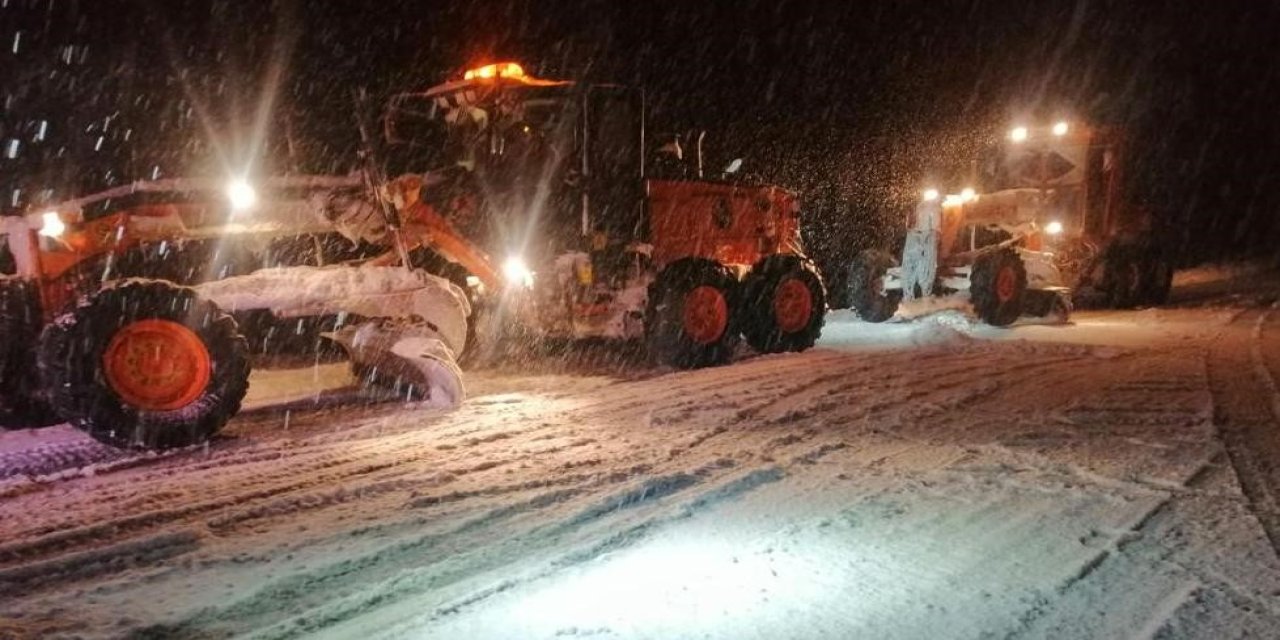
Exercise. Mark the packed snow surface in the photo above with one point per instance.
(916, 479)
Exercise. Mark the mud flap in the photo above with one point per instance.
(408, 355)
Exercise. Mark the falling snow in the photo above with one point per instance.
(1114, 475)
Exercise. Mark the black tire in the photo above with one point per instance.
(71, 366)
(669, 341)
(866, 277)
(1157, 281)
(1135, 274)
(798, 280)
(1122, 276)
(21, 404)
(998, 287)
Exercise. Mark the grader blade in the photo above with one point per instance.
(404, 357)
(409, 323)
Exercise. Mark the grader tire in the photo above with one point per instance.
(21, 404)
(999, 287)
(865, 287)
(145, 364)
(692, 318)
(783, 305)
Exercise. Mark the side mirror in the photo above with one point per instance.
(733, 166)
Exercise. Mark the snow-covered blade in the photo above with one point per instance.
(416, 321)
(365, 291)
(404, 355)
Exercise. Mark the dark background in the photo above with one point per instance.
(856, 105)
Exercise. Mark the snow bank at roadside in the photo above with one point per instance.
(929, 325)
(1221, 272)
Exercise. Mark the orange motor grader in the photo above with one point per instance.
(122, 313)
(548, 196)
(1050, 224)
(518, 199)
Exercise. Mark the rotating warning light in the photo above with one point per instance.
(491, 71)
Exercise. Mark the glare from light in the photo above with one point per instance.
(517, 272)
(1053, 228)
(1060, 129)
(241, 195)
(673, 585)
(930, 195)
(968, 194)
(491, 71)
(1018, 134)
(51, 225)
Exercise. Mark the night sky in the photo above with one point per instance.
(856, 105)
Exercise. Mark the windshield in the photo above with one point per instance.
(510, 134)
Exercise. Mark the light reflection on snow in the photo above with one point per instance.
(676, 587)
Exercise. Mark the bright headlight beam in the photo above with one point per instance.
(1018, 134)
(241, 195)
(1060, 129)
(930, 194)
(51, 224)
(517, 272)
(1053, 228)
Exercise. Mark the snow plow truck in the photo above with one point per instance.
(518, 202)
(1049, 226)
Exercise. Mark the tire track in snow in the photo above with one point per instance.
(289, 466)
(471, 548)
(328, 468)
(372, 461)
(821, 450)
(1245, 413)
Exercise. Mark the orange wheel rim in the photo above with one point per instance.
(706, 314)
(1006, 284)
(792, 305)
(157, 365)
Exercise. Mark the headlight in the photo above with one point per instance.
(930, 194)
(968, 195)
(241, 196)
(51, 224)
(517, 272)
(1053, 228)
(1060, 129)
(1018, 134)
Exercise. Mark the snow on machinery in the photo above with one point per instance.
(118, 309)
(547, 194)
(124, 301)
(1051, 226)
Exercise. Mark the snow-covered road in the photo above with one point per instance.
(1115, 477)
